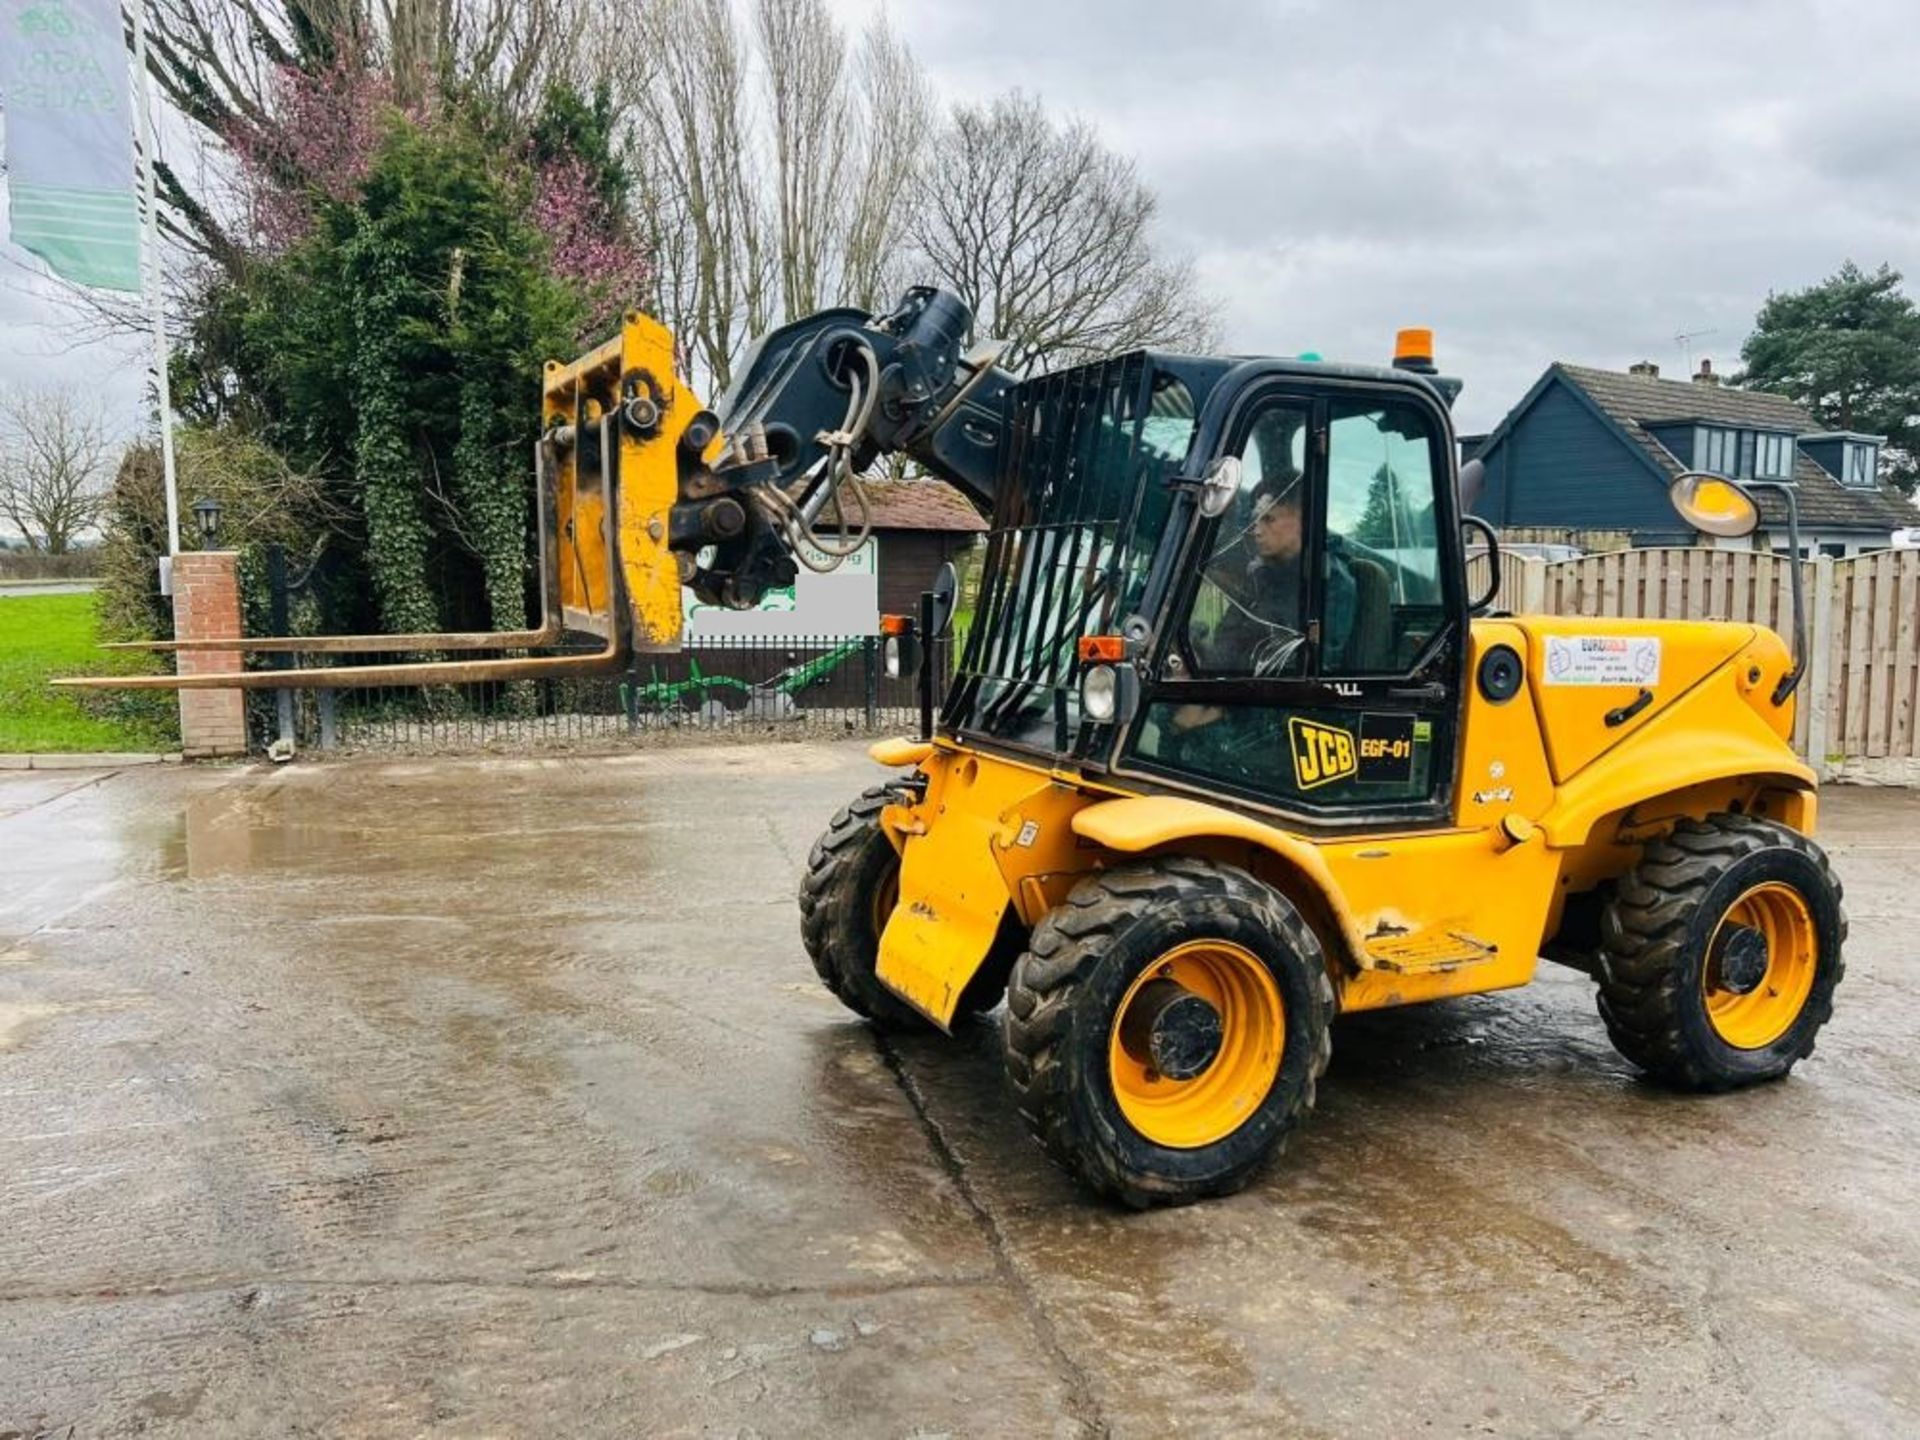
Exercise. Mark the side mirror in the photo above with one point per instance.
(1719, 506)
(1480, 604)
(1219, 483)
(946, 596)
(1469, 483)
(1714, 504)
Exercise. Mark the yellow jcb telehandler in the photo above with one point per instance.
(1230, 749)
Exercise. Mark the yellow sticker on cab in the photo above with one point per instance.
(1322, 754)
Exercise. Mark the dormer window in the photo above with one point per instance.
(1719, 451)
(1849, 457)
(1743, 454)
(1773, 457)
(1862, 465)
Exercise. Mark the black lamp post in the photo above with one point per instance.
(207, 512)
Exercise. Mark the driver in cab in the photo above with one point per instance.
(1259, 577)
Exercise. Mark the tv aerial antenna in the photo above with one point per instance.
(1685, 341)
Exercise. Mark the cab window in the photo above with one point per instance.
(1325, 565)
(1380, 557)
(1252, 590)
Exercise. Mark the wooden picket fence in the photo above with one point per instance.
(1859, 711)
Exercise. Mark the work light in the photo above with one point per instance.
(1100, 693)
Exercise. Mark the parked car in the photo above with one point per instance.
(1532, 550)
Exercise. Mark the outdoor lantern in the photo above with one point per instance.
(207, 512)
(1714, 504)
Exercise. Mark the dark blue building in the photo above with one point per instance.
(1593, 449)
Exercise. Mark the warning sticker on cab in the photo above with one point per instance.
(1603, 660)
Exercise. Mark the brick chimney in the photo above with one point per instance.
(1645, 369)
(1706, 375)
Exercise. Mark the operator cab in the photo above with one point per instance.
(1276, 546)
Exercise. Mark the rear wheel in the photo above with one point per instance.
(1720, 953)
(1166, 1029)
(852, 881)
(850, 888)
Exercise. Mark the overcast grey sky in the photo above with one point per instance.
(1535, 181)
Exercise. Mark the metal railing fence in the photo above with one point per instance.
(1858, 714)
(759, 686)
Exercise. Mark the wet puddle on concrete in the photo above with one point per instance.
(492, 1081)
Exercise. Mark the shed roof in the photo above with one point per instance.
(922, 505)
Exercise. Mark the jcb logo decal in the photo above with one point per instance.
(1321, 753)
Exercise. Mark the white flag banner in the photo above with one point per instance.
(63, 82)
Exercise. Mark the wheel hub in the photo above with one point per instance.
(1740, 960)
(1175, 1032)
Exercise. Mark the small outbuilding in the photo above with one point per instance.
(917, 526)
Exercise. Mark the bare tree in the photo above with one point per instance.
(54, 466)
(1047, 234)
(897, 119)
(698, 202)
(806, 63)
(780, 163)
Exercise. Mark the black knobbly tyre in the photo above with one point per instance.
(852, 880)
(1720, 953)
(1166, 1029)
(849, 890)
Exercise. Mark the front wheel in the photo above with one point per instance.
(1720, 953)
(1166, 1029)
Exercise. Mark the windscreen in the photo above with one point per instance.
(1080, 508)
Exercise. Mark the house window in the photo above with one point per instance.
(1773, 458)
(1860, 466)
(1718, 451)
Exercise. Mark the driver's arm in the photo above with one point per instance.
(1191, 716)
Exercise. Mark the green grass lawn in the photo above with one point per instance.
(42, 636)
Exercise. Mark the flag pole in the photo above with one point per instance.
(156, 290)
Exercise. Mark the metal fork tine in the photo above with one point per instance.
(612, 656)
(550, 631)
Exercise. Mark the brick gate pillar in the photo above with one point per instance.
(206, 606)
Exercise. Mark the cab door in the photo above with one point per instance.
(1310, 660)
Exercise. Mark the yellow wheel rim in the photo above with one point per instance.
(1753, 1018)
(1187, 1114)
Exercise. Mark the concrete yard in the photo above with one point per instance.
(497, 1097)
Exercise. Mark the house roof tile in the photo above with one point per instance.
(1635, 401)
(922, 505)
